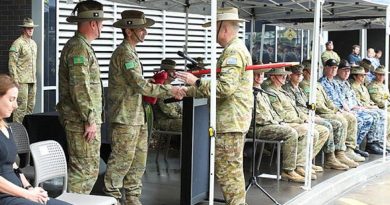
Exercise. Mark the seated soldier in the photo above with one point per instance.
(306, 72)
(379, 94)
(270, 126)
(364, 115)
(168, 116)
(286, 109)
(363, 97)
(338, 133)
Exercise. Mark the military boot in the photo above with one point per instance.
(317, 168)
(340, 155)
(292, 176)
(301, 171)
(352, 155)
(331, 162)
(133, 200)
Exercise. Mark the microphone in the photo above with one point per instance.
(181, 54)
(263, 91)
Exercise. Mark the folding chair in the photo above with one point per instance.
(50, 163)
(22, 142)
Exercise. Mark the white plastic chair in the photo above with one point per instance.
(50, 163)
(22, 142)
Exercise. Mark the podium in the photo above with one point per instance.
(195, 151)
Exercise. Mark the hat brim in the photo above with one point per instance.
(73, 19)
(280, 73)
(344, 68)
(358, 73)
(379, 72)
(208, 24)
(28, 26)
(122, 24)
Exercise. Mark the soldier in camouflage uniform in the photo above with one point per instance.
(286, 108)
(128, 128)
(168, 115)
(22, 68)
(379, 94)
(80, 97)
(363, 97)
(234, 104)
(306, 72)
(338, 133)
(270, 126)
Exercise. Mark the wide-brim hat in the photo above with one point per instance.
(380, 70)
(366, 64)
(133, 19)
(344, 64)
(91, 15)
(297, 69)
(168, 64)
(278, 71)
(226, 14)
(28, 23)
(358, 70)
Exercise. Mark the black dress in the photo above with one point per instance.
(7, 159)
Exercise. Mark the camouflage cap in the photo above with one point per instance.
(226, 14)
(167, 64)
(28, 23)
(133, 19)
(358, 70)
(380, 70)
(87, 11)
(366, 64)
(278, 71)
(297, 69)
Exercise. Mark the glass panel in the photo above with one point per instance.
(49, 101)
(50, 43)
(268, 47)
(289, 45)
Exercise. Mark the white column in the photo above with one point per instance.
(38, 17)
(363, 43)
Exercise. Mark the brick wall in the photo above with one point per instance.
(12, 13)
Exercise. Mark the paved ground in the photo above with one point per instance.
(375, 192)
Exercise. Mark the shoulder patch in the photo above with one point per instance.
(231, 61)
(272, 99)
(307, 89)
(13, 49)
(130, 65)
(372, 90)
(78, 60)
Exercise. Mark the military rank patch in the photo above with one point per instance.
(372, 90)
(272, 99)
(231, 61)
(12, 49)
(78, 60)
(130, 65)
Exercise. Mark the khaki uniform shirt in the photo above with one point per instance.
(80, 87)
(265, 115)
(324, 104)
(168, 110)
(305, 86)
(284, 106)
(362, 94)
(378, 93)
(326, 55)
(23, 60)
(298, 96)
(234, 89)
(126, 86)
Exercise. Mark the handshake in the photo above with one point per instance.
(180, 91)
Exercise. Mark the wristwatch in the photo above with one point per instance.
(198, 83)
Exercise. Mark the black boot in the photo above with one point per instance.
(361, 152)
(374, 148)
(381, 145)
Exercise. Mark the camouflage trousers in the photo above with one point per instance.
(320, 136)
(293, 144)
(377, 130)
(352, 128)
(169, 124)
(26, 101)
(84, 158)
(229, 171)
(339, 132)
(302, 130)
(365, 122)
(127, 162)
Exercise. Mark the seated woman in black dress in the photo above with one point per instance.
(14, 189)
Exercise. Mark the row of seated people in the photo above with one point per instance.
(344, 116)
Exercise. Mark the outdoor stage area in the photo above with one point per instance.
(162, 183)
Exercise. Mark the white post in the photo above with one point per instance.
(213, 104)
(186, 40)
(386, 76)
(38, 16)
(262, 42)
(253, 21)
(312, 96)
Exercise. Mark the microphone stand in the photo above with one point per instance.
(253, 178)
